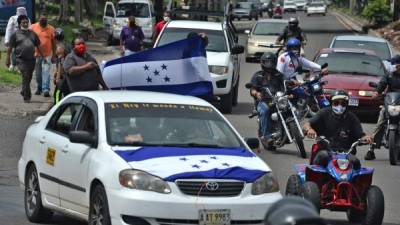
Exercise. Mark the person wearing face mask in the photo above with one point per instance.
(160, 25)
(24, 42)
(340, 126)
(131, 38)
(43, 61)
(12, 27)
(82, 70)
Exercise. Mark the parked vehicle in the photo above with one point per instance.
(391, 138)
(289, 7)
(264, 33)
(352, 69)
(245, 10)
(339, 186)
(259, 6)
(8, 9)
(115, 18)
(300, 5)
(285, 125)
(316, 8)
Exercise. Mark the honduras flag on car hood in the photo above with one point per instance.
(179, 67)
(172, 163)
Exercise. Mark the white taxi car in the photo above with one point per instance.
(135, 157)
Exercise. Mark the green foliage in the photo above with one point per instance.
(377, 12)
(10, 78)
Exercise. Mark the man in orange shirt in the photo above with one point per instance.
(45, 32)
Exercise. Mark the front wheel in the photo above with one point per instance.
(227, 102)
(311, 193)
(375, 206)
(293, 186)
(298, 139)
(99, 213)
(394, 154)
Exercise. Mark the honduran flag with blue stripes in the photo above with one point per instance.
(179, 67)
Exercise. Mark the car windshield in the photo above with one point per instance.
(216, 38)
(380, 48)
(133, 9)
(352, 63)
(266, 28)
(243, 5)
(167, 125)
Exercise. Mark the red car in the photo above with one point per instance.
(352, 70)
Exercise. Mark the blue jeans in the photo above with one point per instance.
(263, 110)
(42, 72)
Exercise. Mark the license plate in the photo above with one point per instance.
(353, 102)
(215, 217)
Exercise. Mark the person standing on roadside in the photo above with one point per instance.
(24, 42)
(12, 27)
(160, 25)
(45, 33)
(82, 70)
(61, 88)
(131, 38)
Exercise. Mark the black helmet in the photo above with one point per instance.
(293, 211)
(395, 60)
(59, 34)
(268, 61)
(293, 22)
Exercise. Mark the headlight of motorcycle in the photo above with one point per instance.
(316, 87)
(366, 93)
(140, 180)
(265, 184)
(343, 164)
(394, 110)
(220, 70)
(253, 43)
(282, 103)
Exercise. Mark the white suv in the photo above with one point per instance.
(223, 55)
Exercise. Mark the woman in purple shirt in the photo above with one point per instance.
(131, 38)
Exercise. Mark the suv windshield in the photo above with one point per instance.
(267, 28)
(167, 125)
(352, 63)
(244, 5)
(381, 49)
(133, 9)
(216, 38)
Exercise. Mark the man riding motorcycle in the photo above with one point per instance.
(388, 83)
(267, 77)
(292, 30)
(291, 61)
(339, 126)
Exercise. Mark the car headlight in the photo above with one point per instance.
(394, 110)
(366, 93)
(140, 180)
(252, 43)
(343, 164)
(265, 184)
(220, 70)
(282, 103)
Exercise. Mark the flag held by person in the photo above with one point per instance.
(179, 67)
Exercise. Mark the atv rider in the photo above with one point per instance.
(340, 126)
(267, 77)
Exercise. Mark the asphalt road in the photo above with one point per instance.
(320, 31)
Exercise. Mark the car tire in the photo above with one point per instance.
(256, 18)
(99, 207)
(293, 186)
(227, 102)
(375, 208)
(311, 193)
(34, 209)
(235, 100)
(354, 215)
(324, 14)
(110, 40)
(308, 14)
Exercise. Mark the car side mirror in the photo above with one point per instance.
(247, 31)
(83, 137)
(237, 49)
(253, 143)
(373, 84)
(325, 65)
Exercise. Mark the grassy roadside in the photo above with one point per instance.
(9, 78)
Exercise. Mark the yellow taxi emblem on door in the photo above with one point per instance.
(51, 156)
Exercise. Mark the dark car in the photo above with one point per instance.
(245, 10)
(352, 70)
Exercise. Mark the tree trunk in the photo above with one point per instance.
(158, 7)
(78, 11)
(64, 12)
(396, 9)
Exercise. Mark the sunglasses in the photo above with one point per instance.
(339, 102)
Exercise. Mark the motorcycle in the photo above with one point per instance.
(285, 125)
(392, 127)
(339, 186)
(277, 13)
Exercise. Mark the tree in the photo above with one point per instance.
(396, 9)
(78, 11)
(63, 17)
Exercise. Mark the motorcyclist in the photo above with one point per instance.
(278, 10)
(388, 83)
(340, 126)
(291, 61)
(267, 77)
(292, 30)
(270, 8)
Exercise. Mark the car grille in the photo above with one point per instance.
(214, 189)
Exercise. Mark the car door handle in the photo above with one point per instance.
(42, 140)
(65, 149)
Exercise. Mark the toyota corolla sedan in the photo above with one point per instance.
(352, 70)
(135, 157)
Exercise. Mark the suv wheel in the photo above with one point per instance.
(227, 102)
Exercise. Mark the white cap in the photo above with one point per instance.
(21, 11)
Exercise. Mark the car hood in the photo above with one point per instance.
(270, 39)
(218, 58)
(349, 82)
(172, 163)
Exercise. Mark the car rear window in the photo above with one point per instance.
(265, 28)
(381, 49)
(133, 9)
(352, 63)
(216, 38)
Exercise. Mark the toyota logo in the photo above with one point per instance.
(212, 186)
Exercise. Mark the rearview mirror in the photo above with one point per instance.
(323, 66)
(373, 84)
(253, 143)
(237, 49)
(247, 31)
(83, 137)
